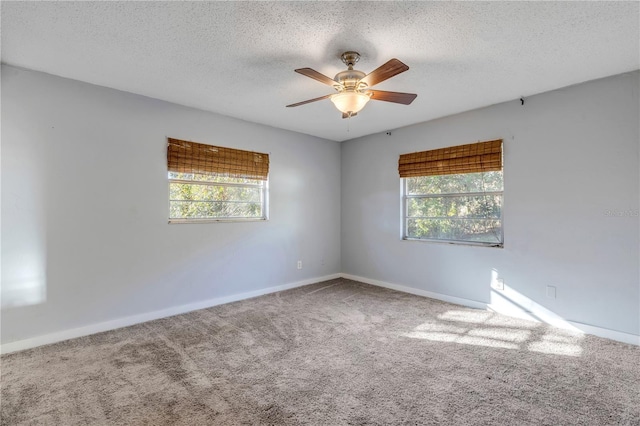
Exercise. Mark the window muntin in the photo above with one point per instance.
(456, 208)
(194, 197)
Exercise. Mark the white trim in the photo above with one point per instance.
(619, 336)
(177, 310)
(632, 339)
(418, 292)
(60, 336)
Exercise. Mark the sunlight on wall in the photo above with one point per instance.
(23, 292)
(24, 226)
(24, 283)
(506, 300)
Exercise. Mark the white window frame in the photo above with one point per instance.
(405, 197)
(264, 200)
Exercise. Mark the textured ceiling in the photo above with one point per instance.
(237, 58)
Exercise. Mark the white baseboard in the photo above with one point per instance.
(149, 316)
(619, 336)
(418, 292)
(177, 310)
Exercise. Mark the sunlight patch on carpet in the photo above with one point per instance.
(485, 329)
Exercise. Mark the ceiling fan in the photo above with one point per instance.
(354, 87)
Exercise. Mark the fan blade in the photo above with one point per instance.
(345, 115)
(396, 97)
(317, 76)
(384, 72)
(309, 101)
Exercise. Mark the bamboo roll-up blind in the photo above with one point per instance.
(192, 157)
(471, 158)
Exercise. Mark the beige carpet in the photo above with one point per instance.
(333, 353)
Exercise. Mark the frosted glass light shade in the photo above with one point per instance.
(349, 102)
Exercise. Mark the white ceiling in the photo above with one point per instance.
(237, 58)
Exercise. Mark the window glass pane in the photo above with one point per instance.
(455, 208)
(214, 209)
(202, 201)
(454, 184)
(185, 191)
(468, 230)
(479, 206)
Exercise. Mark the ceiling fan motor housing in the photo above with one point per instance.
(349, 78)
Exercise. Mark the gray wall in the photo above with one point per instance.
(85, 237)
(570, 156)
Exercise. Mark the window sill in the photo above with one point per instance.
(191, 221)
(455, 243)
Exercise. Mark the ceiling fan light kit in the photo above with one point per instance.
(350, 102)
(353, 85)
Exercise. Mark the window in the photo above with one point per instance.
(211, 183)
(454, 194)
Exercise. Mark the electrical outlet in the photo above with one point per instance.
(299, 264)
(551, 292)
(499, 284)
